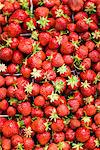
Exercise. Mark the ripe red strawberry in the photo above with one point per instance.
(28, 143)
(44, 38)
(70, 135)
(62, 110)
(26, 71)
(10, 80)
(11, 111)
(74, 104)
(12, 68)
(2, 81)
(11, 91)
(41, 12)
(89, 109)
(13, 29)
(80, 15)
(38, 125)
(34, 62)
(87, 89)
(90, 45)
(43, 138)
(82, 134)
(67, 48)
(86, 63)
(21, 82)
(94, 56)
(6, 54)
(20, 94)
(58, 137)
(75, 5)
(88, 75)
(39, 101)
(18, 16)
(64, 71)
(74, 123)
(57, 126)
(52, 146)
(53, 43)
(73, 82)
(60, 24)
(17, 57)
(82, 52)
(37, 112)
(3, 104)
(68, 59)
(57, 60)
(24, 108)
(97, 119)
(25, 45)
(91, 143)
(3, 92)
(64, 145)
(97, 132)
(46, 89)
(2, 121)
(8, 8)
(16, 139)
(6, 143)
(48, 110)
(10, 128)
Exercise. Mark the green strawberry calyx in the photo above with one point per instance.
(54, 115)
(43, 22)
(85, 84)
(91, 8)
(62, 69)
(88, 100)
(88, 20)
(97, 142)
(20, 146)
(27, 132)
(29, 88)
(96, 34)
(86, 119)
(72, 81)
(53, 97)
(3, 67)
(61, 145)
(58, 86)
(36, 73)
(30, 25)
(34, 35)
(36, 47)
(59, 39)
(77, 146)
(47, 125)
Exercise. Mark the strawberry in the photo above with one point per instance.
(10, 128)
(11, 91)
(74, 104)
(46, 89)
(52, 146)
(6, 143)
(74, 123)
(24, 108)
(97, 118)
(43, 138)
(2, 121)
(30, 24)
(26, 71)
(6, 54)
(18, 16)
(82, 134)
(41, 12)
(2, 81)
(34, 62)
(64, 71)
(67, 48)
(57, 126)
(12, 68)
(70, 135)
(13, 29)
(16, 139)
(38, 125)
(75, 5)
(3, 104)
(3, 92)
(25, 45)
(17, 57)
(58, 137)
(94, 56)
(11, 111)
(60, 24)
(44, 38)
(97, 132)
(68, 59)
(64, 145)
(39, 101)
(55, 60)
(10, 80)
(28, 143)
(37, 112)
(73, 82)
(82, 52)
(62, 110)
(49, 110)
(90, 110)
(20, 94)
(8, 8)
(53, 43)
(80, 15)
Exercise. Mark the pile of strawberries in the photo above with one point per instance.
(49, 75)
